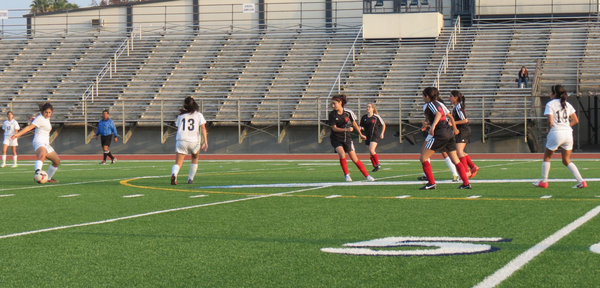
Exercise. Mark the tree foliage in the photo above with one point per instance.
(44, 6)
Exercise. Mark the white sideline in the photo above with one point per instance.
(524, 258)
(385, 183)
(151, 213)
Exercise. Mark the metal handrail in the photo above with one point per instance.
(351, 51)
(107, 68)
(451, 44)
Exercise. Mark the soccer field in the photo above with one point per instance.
(297, 224)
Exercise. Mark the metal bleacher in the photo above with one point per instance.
(272, 76)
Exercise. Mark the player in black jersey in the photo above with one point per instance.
(374, 129)
(464, 136)
(440, 138)
(342, 122)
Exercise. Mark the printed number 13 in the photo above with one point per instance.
(191, 123)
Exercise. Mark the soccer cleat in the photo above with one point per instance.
(376, 168)
(474, 172)
(580, 185)
(173, 180)
(190, 181)
(52, 181)
(3, 165)
(540, 184)
(14, 166)
(102, 163)
(347, 178)
(422, 178)
(428, 186)
(113, 161)
(370, 178)
(455, 178)
(463, 186)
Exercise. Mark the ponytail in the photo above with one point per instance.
(374, 108)
(461, 99)
(433, 94)
(559, 92)
(189, 106)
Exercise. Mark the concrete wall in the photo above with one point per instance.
(223, 140)
(511, 7)
(212, 14)
(114, 19)
(402, 25)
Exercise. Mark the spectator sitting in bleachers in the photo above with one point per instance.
(523, 77)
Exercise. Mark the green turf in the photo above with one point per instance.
(273, 236)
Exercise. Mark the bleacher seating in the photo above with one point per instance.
(270, 76)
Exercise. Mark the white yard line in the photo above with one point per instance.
(151, 213)
(133, 196)
(386, 183)
(521, 260)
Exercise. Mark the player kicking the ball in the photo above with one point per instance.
(41, 141)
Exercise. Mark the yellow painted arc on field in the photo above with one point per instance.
(127, 183)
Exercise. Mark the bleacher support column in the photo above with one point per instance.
(319, 120)
(262, 24)
(85, 122)
(482, 119)
(525, 116)
(123, 121)
(162, 122)
(56, 132)
(195, 15)
(400, 119)
(328, 14)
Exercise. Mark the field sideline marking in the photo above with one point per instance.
(524, 258)
(387, 183)
(152, 213)
(126, 183)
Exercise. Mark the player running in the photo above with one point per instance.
(464, 136)
(10, 127)
(561, 118)
(374, 129)
(41, 141)
(342, 122)
(191, 137)
(440, 138)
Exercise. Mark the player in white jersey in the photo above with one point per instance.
(191, 137)
(41, 141)
(10, 127)
(561, 118)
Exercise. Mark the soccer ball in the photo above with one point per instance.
(40, 177)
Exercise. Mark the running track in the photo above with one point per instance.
(332, 156)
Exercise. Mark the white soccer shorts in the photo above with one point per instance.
(560, 138)
(37, 145)
(187, 148)
(10, 142)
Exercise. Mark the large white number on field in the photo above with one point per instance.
(595, 248)
(442, 245)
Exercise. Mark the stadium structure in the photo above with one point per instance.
(264, 71)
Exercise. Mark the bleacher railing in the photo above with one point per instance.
(443, 67)
(109, 68)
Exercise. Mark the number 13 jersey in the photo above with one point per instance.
(189, 127)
